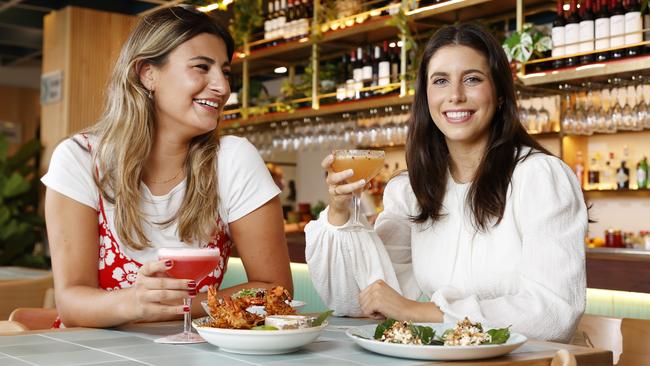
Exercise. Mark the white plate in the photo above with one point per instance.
(440, 353)
(296, 304)
(257, 342)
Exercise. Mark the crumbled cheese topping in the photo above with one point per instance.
(466, 333)
(400, 332)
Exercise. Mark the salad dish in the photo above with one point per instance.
(436, 341)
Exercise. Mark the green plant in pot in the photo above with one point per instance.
(530, 43)
(21, 227)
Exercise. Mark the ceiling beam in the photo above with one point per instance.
(9, 4)
(27, 38)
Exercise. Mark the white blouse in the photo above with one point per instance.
(528, 271)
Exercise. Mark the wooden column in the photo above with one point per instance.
(84, 45)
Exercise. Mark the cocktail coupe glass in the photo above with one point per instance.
(193, 264)
(366, 164)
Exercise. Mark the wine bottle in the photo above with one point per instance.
(350, 83)
(384, 66)
(572, 34)
(557, 35)
(341, 92)
(587, 32)
(395, 65)
(633, 27)
(602, 30)
(358, 73)
(367, 70)
(375, 68)
(616, 27)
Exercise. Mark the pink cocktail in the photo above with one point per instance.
(191, 264)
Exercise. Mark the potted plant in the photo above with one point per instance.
(21, 226)
(520, 47)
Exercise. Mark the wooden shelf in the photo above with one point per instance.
(594, 70)
(617, 193)
(340, 107)
(375, 29)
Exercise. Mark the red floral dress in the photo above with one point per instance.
(117, 271)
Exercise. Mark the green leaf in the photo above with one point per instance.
(426, 334)
(499, 335)
(264, 327)
(26, 152)
(14, 186)
(381, 328)
(322, 317)
(4, 147)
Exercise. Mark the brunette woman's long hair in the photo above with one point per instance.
(427, 155)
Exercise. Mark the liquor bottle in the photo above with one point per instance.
(282, 18)
(290, 25)
(557, 34)
(616, 27)
(572, 34)
(593, 174)
(394, 59)
(633, 27)
(375, 68)
(623, 176)
(384, 66)
(642, 174)
(602, 30)
(343, 76)
(350, 83)
(268, 22)
(358, 73)
(367, 70)
(587, 32)
(580, 169)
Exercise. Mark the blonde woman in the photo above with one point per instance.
(153, 172)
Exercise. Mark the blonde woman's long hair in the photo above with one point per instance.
(126, 130)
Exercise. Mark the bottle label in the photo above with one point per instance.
(571, 38)
(586, 36)
(557, 34)
(616, 30)
(602, 33)
(633, 27)
(367, 72)
(357, 74)
(384, 73)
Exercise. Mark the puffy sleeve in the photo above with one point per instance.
(551, 217)
(342, 264)
(245, 183)
(71, 172)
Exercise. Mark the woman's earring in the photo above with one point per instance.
(150, 93)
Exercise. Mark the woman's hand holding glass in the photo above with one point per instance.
(340, 192)
(157, 296)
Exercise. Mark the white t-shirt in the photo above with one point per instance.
(244, 185)
(528, 271)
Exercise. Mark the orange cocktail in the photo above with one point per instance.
(365, 164)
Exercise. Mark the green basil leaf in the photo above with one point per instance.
(321, 318)
(381, 328)
(264, 327)
(425, 333)
(499, 336)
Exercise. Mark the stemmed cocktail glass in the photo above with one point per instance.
(365, 164)
(192, 264)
